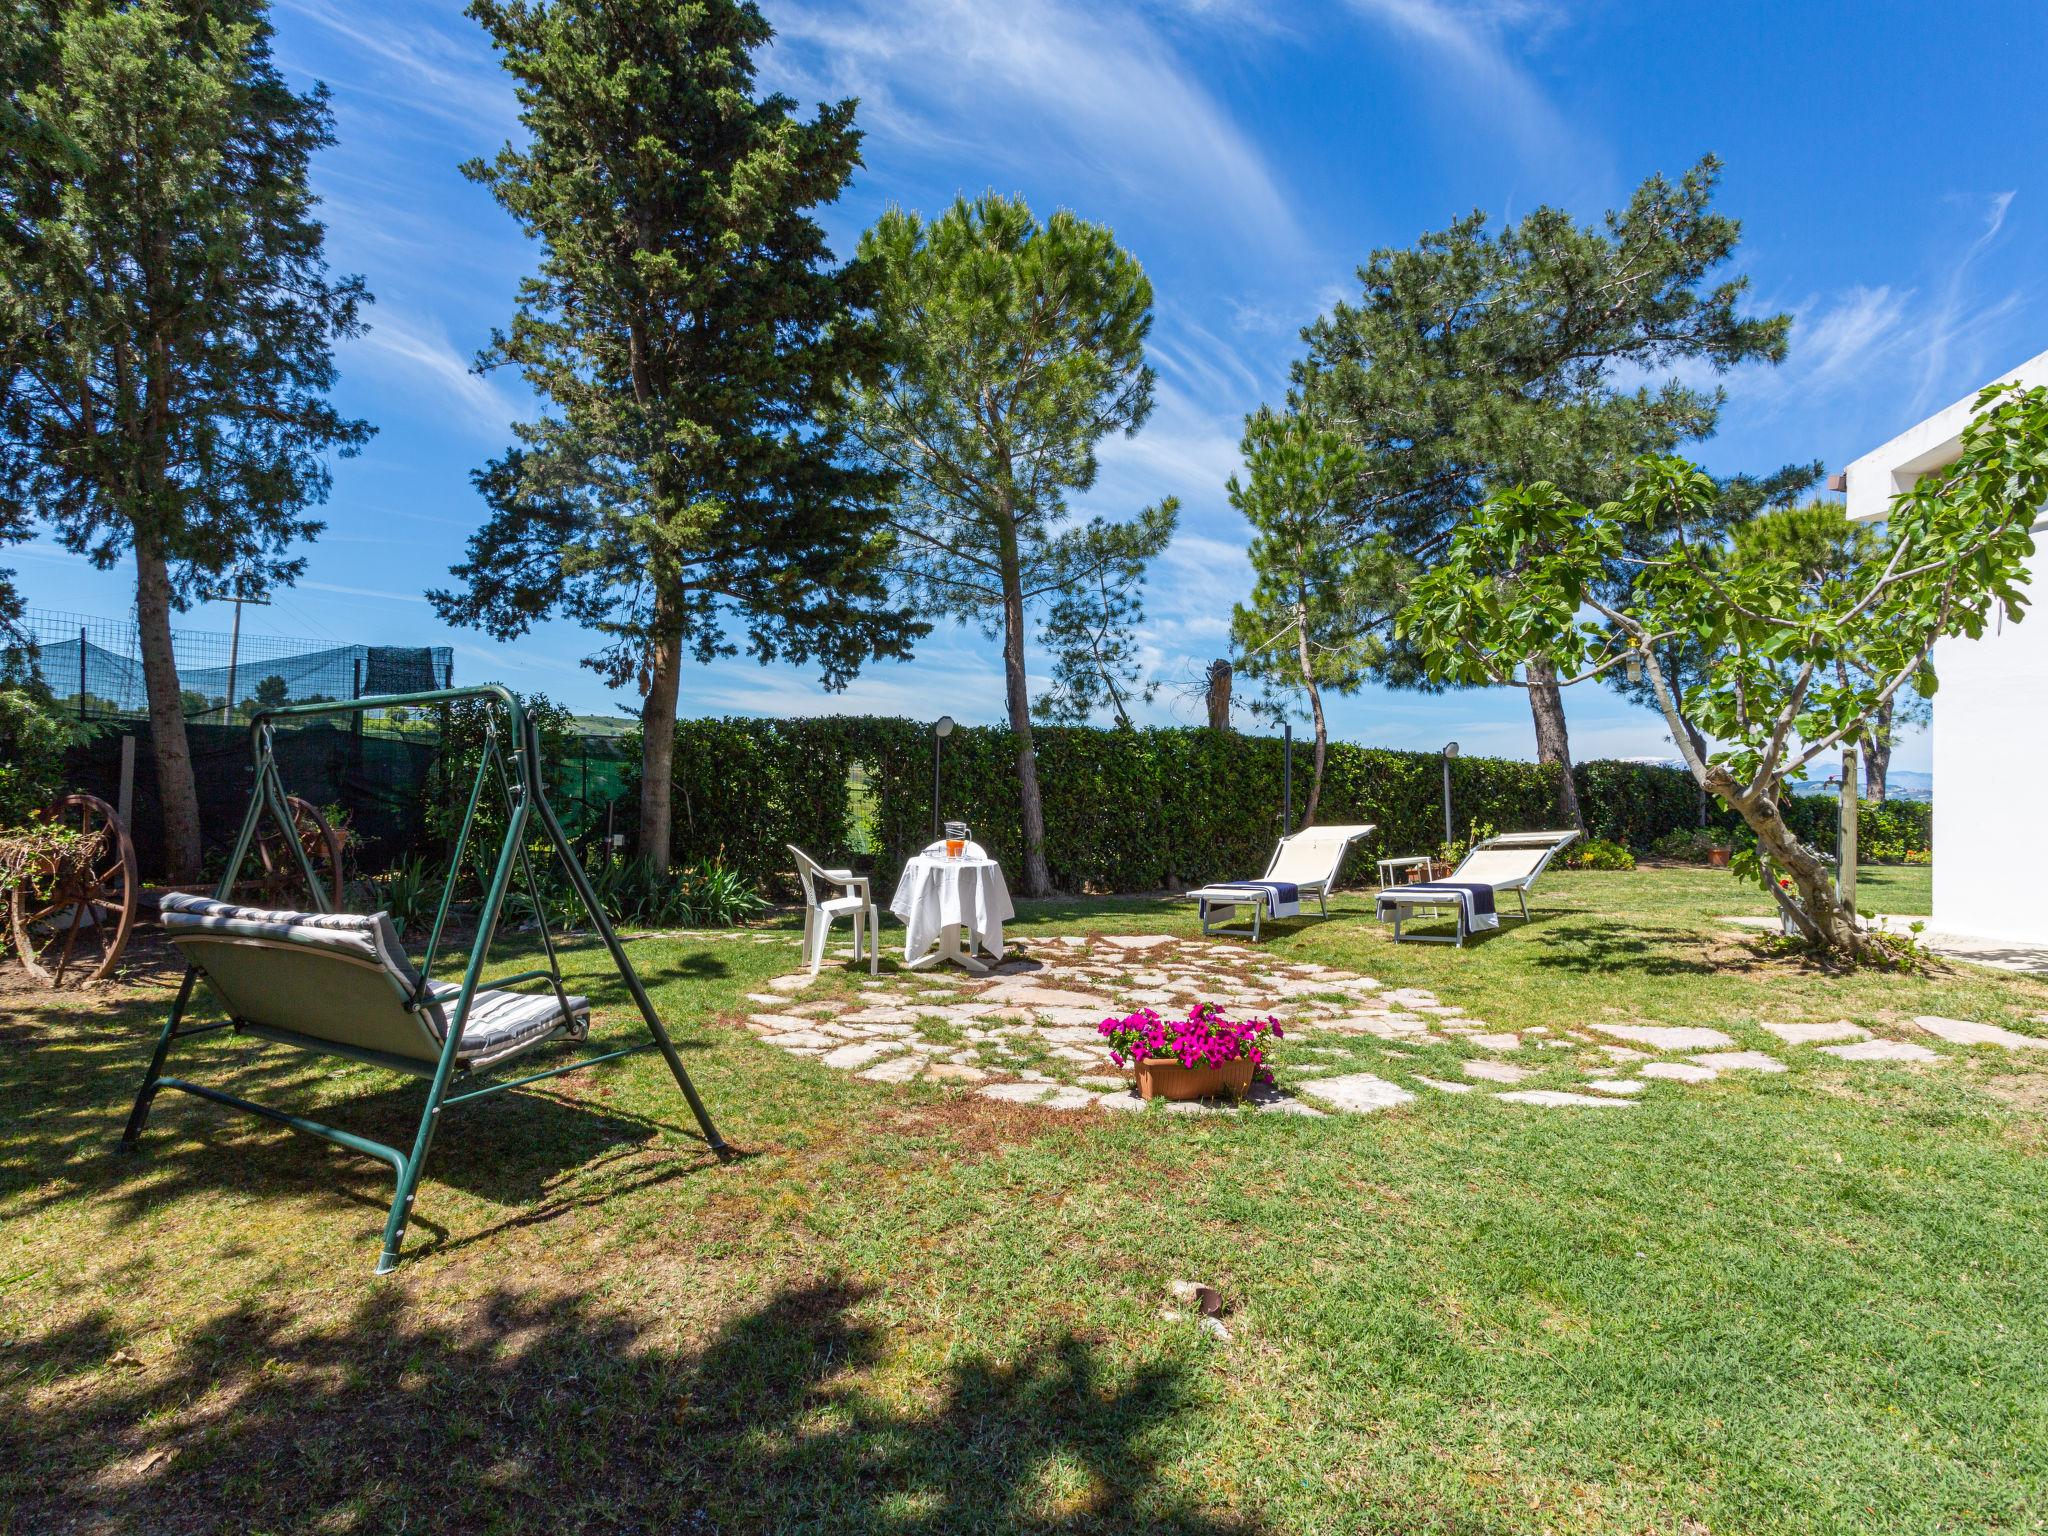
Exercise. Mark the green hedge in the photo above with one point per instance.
(1124, 810)
(1886, 830)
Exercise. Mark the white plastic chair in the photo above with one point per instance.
(819, 914)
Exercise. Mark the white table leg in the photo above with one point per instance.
(948, 948)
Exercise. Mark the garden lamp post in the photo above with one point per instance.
(941, 729)
(1450, 751)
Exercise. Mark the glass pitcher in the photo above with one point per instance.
(956, 839)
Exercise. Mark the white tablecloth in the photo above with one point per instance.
(934, 891)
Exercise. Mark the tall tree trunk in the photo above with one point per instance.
(1037, 879)
(1814, 907)
(658, 748)
(1699, 750)
(1315, 704)
(1553, 743)
(1877, 754)
(177, 795)
(1219, 695)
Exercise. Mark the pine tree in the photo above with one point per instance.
(685, 329)
(1019, 346)
(1321, 613)
(1472, 362)
(168, 316)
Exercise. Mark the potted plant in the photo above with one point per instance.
(1198, 1057)
(1718, 852)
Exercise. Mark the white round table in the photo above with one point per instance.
(937, 898)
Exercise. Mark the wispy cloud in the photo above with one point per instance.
(1185, 449)
(1471, 38)
(418, 67)
(1838, 341)
(1097, 88)
(1949, 316)
(1899, 349)
(377, 592)
(418, 353)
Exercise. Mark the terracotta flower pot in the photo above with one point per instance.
(1163, 1077)
(1717, 858)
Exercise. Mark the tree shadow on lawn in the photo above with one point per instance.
(66, 1096)
(1594, 945)
(522, 1412)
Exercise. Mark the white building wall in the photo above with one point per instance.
(1990, 753)
(1990, 732)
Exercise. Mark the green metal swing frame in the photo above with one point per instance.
(519, 775)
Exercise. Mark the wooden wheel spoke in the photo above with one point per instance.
(96, 886)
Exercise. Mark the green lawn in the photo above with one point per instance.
(1812, 1302)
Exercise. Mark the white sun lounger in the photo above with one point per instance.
(1304, 864)
(1510, 862)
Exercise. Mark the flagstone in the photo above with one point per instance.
(956, 1072)
(1624, 1053)
(1964, 1032)
(1360, 1092)
(1678, 1071)
(1882, 1050)
(1070, 1098)
(790, 983)
(1667, 1037)
(1016, 1093)
(779, 1021)
(1072, 1018)
(1499, 1042)
(1124, 1100)
(1621, 1085)
(1282, 1104)
(848, 1057)
(1553, 1098)
(1102, 1080)
(1493, 1071)
(1138, 940)
(902, 1070)
(1016, 991)
(1813, 1033)
(800, 1039)
(1443, 1087)
(1740, 1061)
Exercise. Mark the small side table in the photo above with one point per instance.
(1389, 868)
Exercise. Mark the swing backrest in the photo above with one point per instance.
(337, 977)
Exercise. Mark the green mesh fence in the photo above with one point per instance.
(93, 668)
(376, 781)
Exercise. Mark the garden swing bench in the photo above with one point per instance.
(342, 984)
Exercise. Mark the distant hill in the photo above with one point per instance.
(601, 725)
(1900, 783)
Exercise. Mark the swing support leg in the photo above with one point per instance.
(581, 880)
(139, 1115)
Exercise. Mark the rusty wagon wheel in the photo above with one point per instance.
(281, 880)
(74, 910)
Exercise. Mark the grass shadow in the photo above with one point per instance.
(1591, 947)
(561, 1413)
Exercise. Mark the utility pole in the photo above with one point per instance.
(1845, 840)
(227, 708)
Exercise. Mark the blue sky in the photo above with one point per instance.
(1885, 160)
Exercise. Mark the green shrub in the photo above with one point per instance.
(33, 740)
(1140, 810)
(1600, 853)
(1690, 845)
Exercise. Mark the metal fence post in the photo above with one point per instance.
(81, 671)
(1287, 776)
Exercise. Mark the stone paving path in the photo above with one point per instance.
(1027, 1033)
